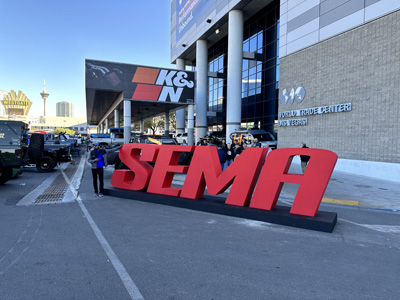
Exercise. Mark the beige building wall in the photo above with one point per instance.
(361, 67)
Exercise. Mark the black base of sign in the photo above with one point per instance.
(323, 221)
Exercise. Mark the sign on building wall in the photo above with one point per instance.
(298, 94)
(141, 82)
(188, 12)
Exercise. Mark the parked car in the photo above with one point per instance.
(181, 137)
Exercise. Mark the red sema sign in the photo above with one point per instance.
(254, 180)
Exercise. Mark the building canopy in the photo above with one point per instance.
(151, 90)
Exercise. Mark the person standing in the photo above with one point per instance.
(87, 145)
(223, 145)
(229, 154)
(256, 143)
(221, 156)
(98, 160)
(237, 151)
(304, 159)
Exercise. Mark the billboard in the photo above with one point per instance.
(188, 12)
(141, 82)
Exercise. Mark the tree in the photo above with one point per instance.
(154, 123)
(66, 130)
(172, 120)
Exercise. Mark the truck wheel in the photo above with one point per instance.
(5, 174)
(36, 146)
(45, 165)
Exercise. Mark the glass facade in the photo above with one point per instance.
(217, 86)
(260, 76)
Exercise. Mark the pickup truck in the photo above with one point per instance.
(116, 137)
(15, 149)
(63, 139)
(53, 154)
(54, 151)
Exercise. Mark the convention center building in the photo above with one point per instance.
(325, 73)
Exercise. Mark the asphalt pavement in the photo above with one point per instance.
(85, 247)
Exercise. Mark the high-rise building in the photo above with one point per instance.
(64, 109)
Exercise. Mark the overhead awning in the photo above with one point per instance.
(151, 90)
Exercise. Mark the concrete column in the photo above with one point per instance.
(234, 79)
(101, 128)
(142, 126)
(201, 88)
(190, 140)
(127, 121)
(180, 113)
(116, 118)
(166, 125)
(107, 125)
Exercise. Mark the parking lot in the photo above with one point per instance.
(83, 247)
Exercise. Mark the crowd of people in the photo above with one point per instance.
(228, 152)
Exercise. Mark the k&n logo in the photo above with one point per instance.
(157, 84)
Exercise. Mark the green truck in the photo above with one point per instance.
(15, 149)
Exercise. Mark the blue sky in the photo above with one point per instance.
(50, 40)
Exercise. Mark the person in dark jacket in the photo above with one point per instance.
(256, 143)
(229, 154)
(237, 151)
(304, 159)
(98, 160)
(223, 145)
(222, 156)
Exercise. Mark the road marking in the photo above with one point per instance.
(342, 202)
(130, 286)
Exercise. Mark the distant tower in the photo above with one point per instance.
(44, 95)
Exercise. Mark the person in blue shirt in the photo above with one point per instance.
(98, 160)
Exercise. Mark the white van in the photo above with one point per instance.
(181, 137)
